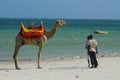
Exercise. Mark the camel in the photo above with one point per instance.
(20, 41)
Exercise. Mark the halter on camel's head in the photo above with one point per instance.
(60, 23)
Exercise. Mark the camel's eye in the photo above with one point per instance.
(61, 22)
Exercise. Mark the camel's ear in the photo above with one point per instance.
(57, 21)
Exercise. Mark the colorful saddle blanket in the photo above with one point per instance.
(33, 32)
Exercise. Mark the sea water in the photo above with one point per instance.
(68, 41)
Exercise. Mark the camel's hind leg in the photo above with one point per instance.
(15, 56)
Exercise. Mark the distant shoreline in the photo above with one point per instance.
(63, 58)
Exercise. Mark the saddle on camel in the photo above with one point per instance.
(33, 32)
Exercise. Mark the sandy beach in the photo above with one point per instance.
(63, 69)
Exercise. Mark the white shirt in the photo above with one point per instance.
(93, 45)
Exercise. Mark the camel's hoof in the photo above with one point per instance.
(18, 68)
(39, 67)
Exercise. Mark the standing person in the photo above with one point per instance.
(88, 56)
(92, 51)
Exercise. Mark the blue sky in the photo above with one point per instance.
(81, 9)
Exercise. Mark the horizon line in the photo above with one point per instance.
(58, 18)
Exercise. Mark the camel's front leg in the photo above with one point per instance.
(15, 55)
(39, 57)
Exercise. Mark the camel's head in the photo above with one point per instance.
(60, 23)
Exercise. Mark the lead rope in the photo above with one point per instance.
(97, 56)
(74, 38)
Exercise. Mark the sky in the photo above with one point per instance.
(80, 9)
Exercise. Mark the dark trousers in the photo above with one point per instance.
(93, 59)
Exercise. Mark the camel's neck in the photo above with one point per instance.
(51, 33)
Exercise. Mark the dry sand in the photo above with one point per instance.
(64, 69)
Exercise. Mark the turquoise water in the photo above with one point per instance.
(69, 41)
